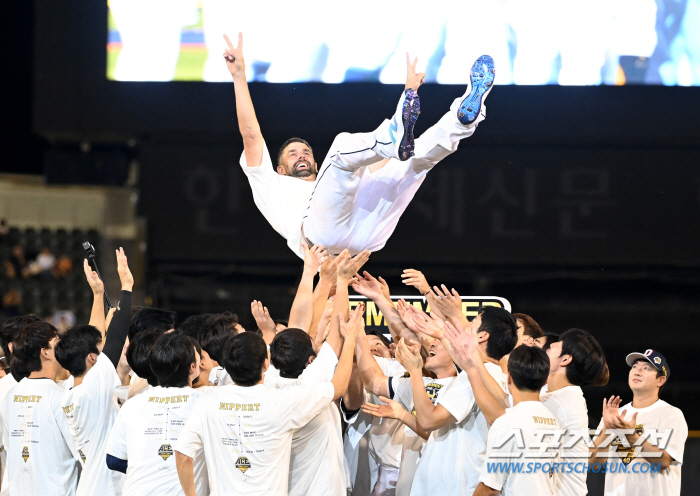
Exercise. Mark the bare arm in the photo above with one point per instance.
(185, 471)
(372, 376)
(301, 315)
(97, 315)
(354, 396)
(247, 121)
(393, 409)
(328, 275)
(264, 321)
(484, 490)
(343, 369)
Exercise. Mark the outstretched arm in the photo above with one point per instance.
(119, 327)
(301, 315)
(393, 409)
(247, 121)
(97, 316)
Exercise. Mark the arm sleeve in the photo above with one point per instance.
(400, 390)
(118, 329)
(679, 434)
(101, 381)
(458, 398)
(309, 401)
(495, 479)
(117, 464)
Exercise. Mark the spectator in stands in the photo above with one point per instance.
(19, 263)
(45, 262)
(63, 267)
(12, 303)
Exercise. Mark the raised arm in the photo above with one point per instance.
(265, 323)
(328, 277)
(247, 121)
(97, 315)
(119, 326)
(343, 369)
(371, 373)
(347, 267)
(301, 315)
(393, 409)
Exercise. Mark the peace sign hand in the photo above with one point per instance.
(413, 79)
(234, 57)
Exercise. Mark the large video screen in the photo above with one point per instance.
(533, 42)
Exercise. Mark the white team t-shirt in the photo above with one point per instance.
(145, 433)
(660, 416)
(569, 408)
(90, 410)
(413, 445)
(372, 441)
(251, 428)
(527, 417)
(464, 442)
(316, 466)
(281, 199)
(41, 457)
(6, 383)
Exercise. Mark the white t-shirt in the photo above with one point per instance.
(317, 463)
(251, 428)
(6, 383)
(144, 434)
(660, 416)
(90, 410)
(569, 408)
(40, 459)
(527, 417)
(372, 441)
(413, 444)
(463, 442)
(281, 199)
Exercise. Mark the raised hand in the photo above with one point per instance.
(385, 288)
(611, 411)
(415, 278)
(355, 325)
(124, 272)
(329, 269)
(262, 317)
(390, 409)
(359, 260)
(413, 79)
(465, 345)
(234, 57)
(314, 257)
(450, 304)
(346, 266)
(406, 313)
(408, 355)
(429, 325)
(93, 279)
(368, 286)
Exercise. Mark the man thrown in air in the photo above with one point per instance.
(356, 197)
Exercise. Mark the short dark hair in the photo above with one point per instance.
(287, 143)
(171, 357)
(528, 366)
(244, 356)
(290, 351)
(27, 346)
(151, 318)
(502, 328)
(75, 345)
(373, 331)
(588, 364)
(194, 326)
(550, 338)
(10, 329)
(214, 337)
(530, 327)
(138, 354)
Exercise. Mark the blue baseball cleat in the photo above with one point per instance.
(481, 81)
(401, 127)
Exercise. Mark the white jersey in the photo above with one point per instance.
(90, 410)
(281, 199)
(412, 446)
(372, 441)
(524, 419)
(316, 466)
(145, 433)
(569, 408)
(635, 479)
(251, 428)
(464, 441)
(40, 453)
(6, 383)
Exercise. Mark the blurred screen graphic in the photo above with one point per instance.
(533, 42)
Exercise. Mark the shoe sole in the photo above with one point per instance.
(409, 115)
(482, 75)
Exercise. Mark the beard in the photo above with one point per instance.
(296, 172)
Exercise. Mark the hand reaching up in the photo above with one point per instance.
(234, 57)
(450, 304)
(408, 355)
(390, 409)
(314, 257)
(124, 272)
(355, 325)
(413, 79)
(429, 325)
(465, 345)
(262, 318)
(415, 278)
(368, 286)
(93, 279)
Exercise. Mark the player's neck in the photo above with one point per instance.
(520, 396)
(557, 380)
(644, 399)
(46, 372)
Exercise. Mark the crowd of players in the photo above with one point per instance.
(137, 404)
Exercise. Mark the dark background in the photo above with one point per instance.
(580, 205)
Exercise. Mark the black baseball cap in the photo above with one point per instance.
(653, 357)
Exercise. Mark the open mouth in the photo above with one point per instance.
(431, 353)
(301, 166)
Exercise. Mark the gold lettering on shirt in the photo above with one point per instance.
(26, 399)
(240, 407)
(68, 409)
(544, 420)
(168, 399)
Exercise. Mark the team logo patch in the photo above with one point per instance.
(165, 451)
(242, 464)
(657, 360)
(627, 454)
(82, 456)
(25, 454)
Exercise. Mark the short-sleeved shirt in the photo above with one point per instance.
(91, 409)
(41, 456)
(283, 200)
(145, 433)
(520, 425)
(316, 463)
(6, 383)
(568, 406)
(635, 479)
(252, 429)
